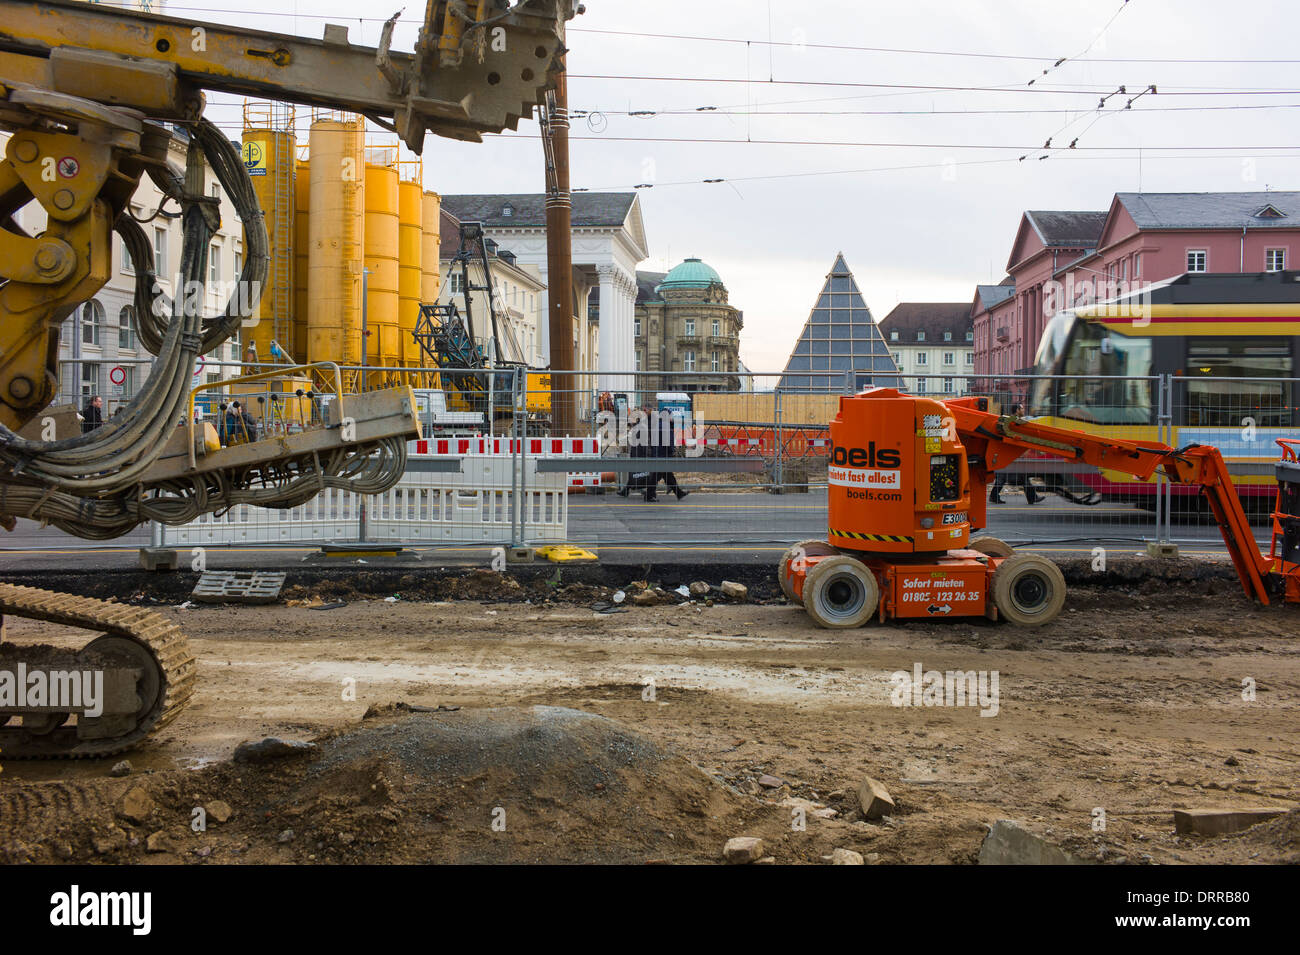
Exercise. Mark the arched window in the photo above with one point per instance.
(126, 328)
(92, 323)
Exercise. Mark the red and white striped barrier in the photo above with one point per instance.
(533, 447)
(508, 447)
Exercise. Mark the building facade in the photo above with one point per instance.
(1062, 259)
(608, 242)
(933, 346)
(519, 291)
(687, 331)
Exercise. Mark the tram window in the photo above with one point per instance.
(1228, 382)
(1107, 383)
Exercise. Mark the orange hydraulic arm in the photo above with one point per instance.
(995, 441)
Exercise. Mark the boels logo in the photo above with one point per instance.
(868, 457)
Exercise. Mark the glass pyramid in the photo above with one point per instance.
(841, 349)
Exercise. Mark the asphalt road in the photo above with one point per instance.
(706, 527)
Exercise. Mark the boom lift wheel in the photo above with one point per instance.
(840, 592)
(991, 547)
(811, 548)
(1028, 590)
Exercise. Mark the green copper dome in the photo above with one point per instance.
(690, 274)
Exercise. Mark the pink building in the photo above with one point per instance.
(1060, 259)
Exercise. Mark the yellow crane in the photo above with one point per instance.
(90, 95)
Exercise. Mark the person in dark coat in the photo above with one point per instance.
(93, 415)
(641, 445)
(667, 448)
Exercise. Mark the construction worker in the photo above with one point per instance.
(1000, 478)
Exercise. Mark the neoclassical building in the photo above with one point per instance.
(686, 329)
(608, 242)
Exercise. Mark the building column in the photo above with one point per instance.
(626, 360)
(608, 326)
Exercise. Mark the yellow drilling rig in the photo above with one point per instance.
(91, 96)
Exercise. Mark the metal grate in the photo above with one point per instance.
(238, 586)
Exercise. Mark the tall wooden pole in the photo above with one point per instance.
(559, 257)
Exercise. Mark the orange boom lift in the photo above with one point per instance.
(907, 480)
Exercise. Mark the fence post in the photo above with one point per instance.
(518, 432)
(778, 476)
(1165, 435)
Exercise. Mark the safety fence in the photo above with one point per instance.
(517, 457)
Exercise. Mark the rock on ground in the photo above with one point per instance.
(741, 850)
(874, 799)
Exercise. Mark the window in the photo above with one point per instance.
(688, 361)
(1223, 404)
(717, 328)
(92, 323)
(127, 264)
(713, 362)
(160, 251)
(690, 328)
(1274, 260)
(89, 379)
(922, 358)
(214, 265)
(126, 328)
(949, 358)
(920, 336)
(947, 386)
(234, 346)
(1137, 265)
(920, 384)
(947, 336)
(239, 263)
(1196, 260)
(970, 336)
(453, 283)
(638, 360)
(970, 358)
(898, 359)
(893, 336)
(636, 327)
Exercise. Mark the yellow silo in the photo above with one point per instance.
(410, 263)
(335, 228)
(301, 258)
(268, 150)
(430, 277)
(381, 259)
(430, 246)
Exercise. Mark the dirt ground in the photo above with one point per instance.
(554, 733)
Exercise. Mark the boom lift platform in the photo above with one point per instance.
(907, 486)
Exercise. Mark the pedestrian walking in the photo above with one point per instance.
(93, 414)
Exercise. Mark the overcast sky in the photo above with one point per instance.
(917, 234)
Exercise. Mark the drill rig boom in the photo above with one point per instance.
(159, 64)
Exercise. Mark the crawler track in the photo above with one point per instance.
(161, 640)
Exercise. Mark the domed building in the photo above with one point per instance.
(686, 329)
